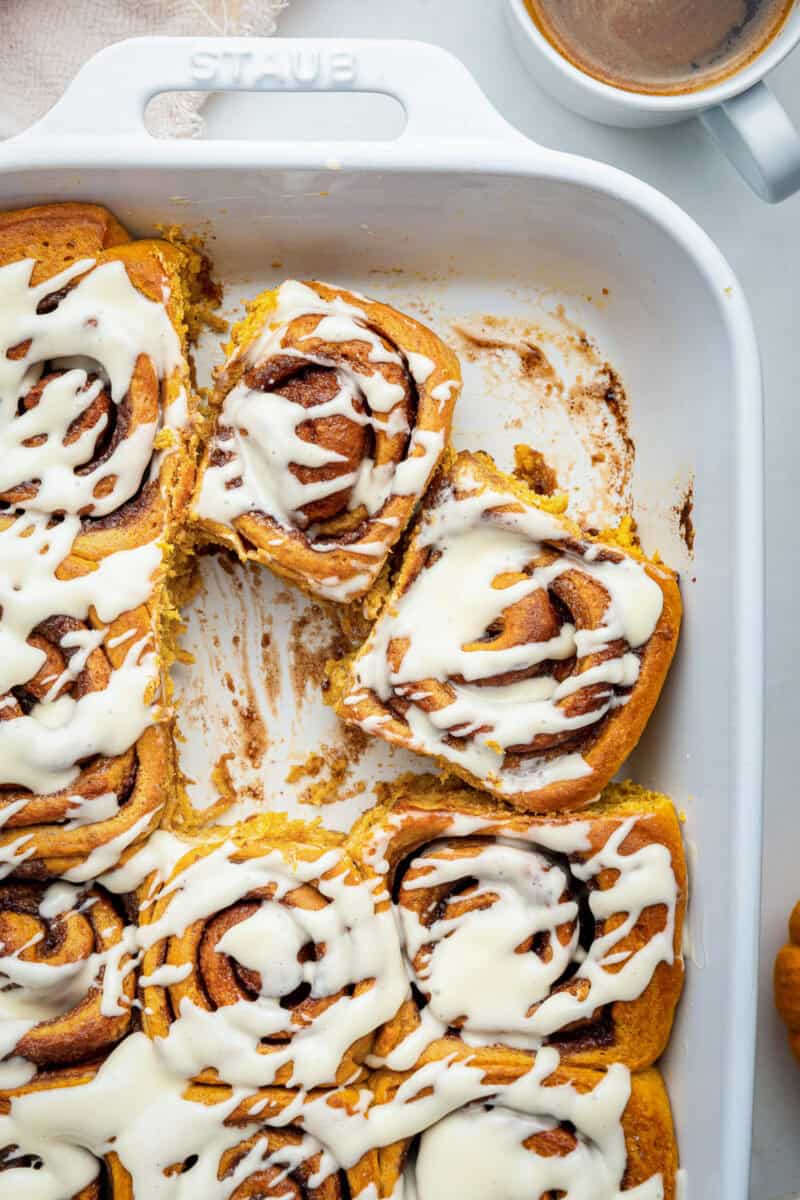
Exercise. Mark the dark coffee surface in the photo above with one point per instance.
(659, 46)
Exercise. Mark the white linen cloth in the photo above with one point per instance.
(44, 42)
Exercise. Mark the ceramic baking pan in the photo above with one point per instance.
(593, 317)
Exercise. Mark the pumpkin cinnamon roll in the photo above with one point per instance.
(86, 763)
(522, 931)
(94, 385)
(477, 1126)
(254, 1148)
(67, 977)
(523, 655)
(269, 960)
(332, 413)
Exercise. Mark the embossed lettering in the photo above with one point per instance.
(245, 68)
(343, 67)
(203, 65)
(305, 67)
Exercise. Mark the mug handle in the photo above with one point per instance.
(758, 137)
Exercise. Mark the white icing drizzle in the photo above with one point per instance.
(341, 590)
(88, 811)
(420, 366)
(136, 1104)
(39, 751)
(137, 1107)
(107, 855)
(14, 854)
(31, 551)
(156, 858)
(470, 964)
(443, 391)
(103, 324)
(476, 543)
(259, 430)
(356, 928)
(479, 1152)
(176, 414)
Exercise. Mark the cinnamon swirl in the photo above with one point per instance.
(269, 961)
(332, 413)
(522, 931)
(67, 977)
(93, 378)
(523, 655)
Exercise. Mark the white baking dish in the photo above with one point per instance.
(480, 220)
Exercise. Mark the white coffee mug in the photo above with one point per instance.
(741, 113)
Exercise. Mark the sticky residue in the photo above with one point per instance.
(683, 511)
(557, 389)
(315, 636)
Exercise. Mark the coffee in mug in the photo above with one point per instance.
(660, 47)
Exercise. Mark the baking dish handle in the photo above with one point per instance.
(109, 94)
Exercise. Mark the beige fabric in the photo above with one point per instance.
(44, 42)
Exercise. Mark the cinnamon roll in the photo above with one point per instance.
(523, 931)
(67, 977)
(332, 413)
(95, 466)
(522, 655)
(269, 961)
(263, 1151)
(84, 770)
(544, 1131)
(93, 379)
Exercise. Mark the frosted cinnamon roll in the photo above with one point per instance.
(523, 931)
(482, 1127)
(66, 977)
(93, 378)
(85, 765)
(332, 413)
(522, 655)
(269, 961)
(257, 1148)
